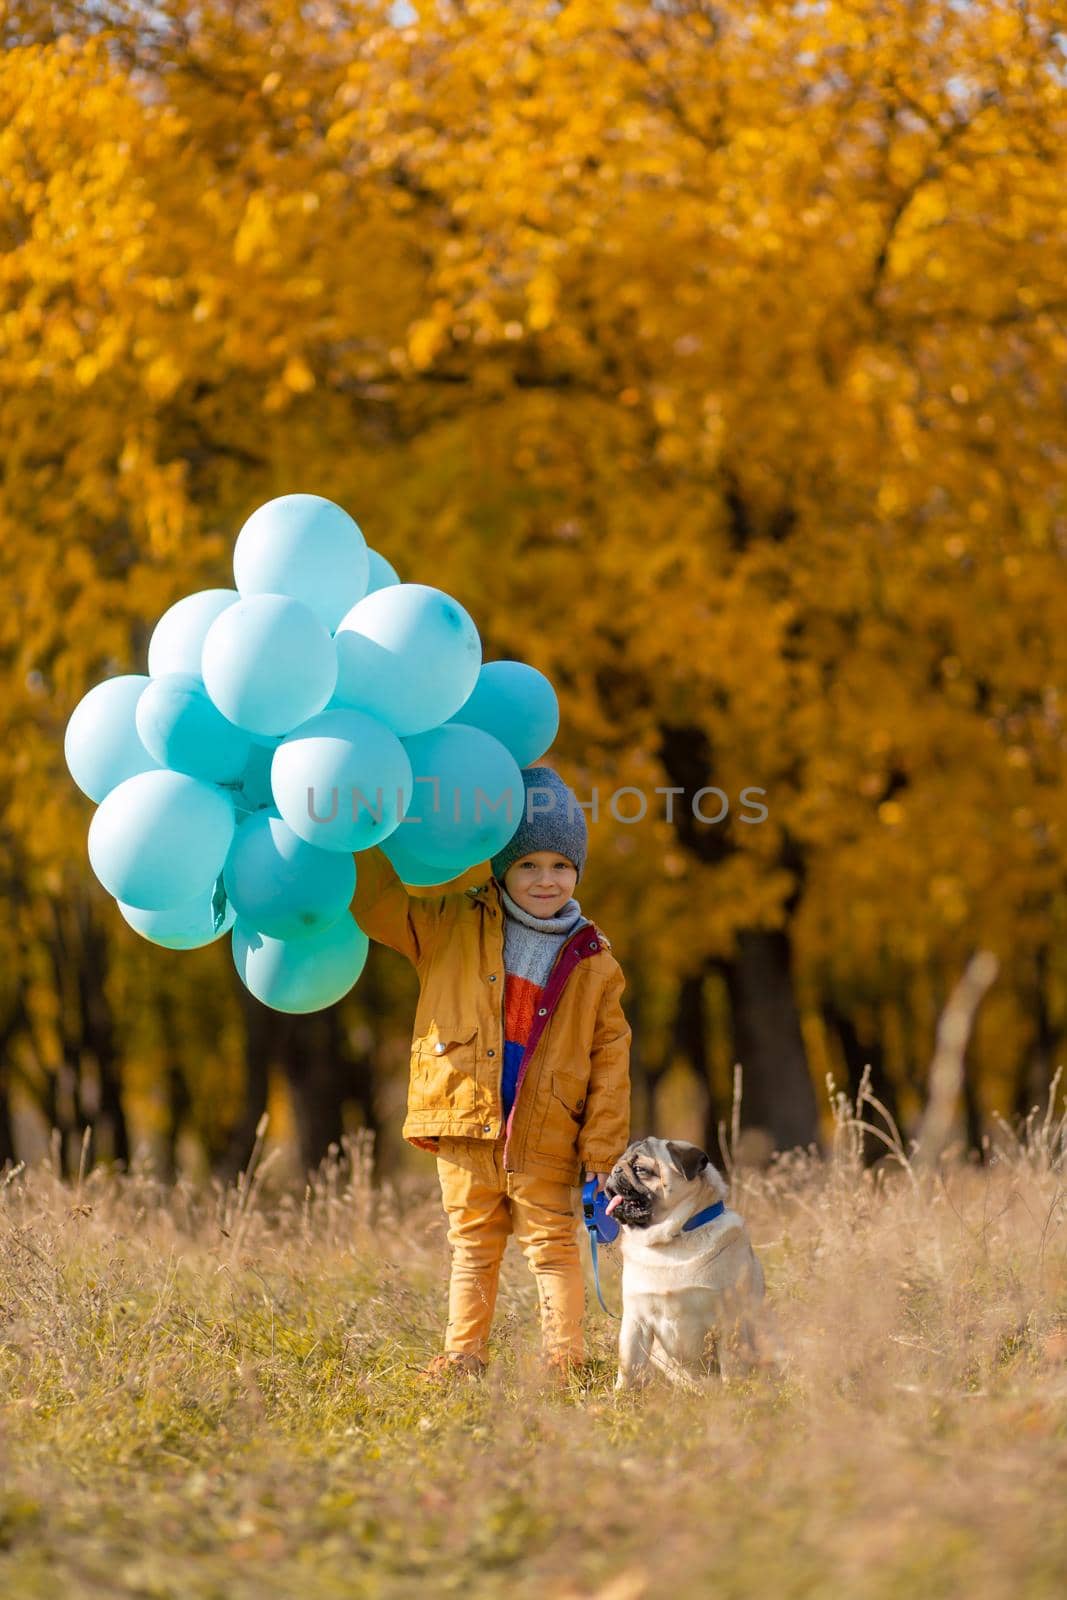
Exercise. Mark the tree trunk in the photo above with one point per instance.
(972, 1113)
(174, 1085)
(12, 1027)
(85, 1088)
(104, 1113)
(7, 1132)
(1035, 1074)
(777, 1092)
(858, 1056)
(361, 1069)
(317, 1074)
(689, 1043)
(324, 1074)
(949, 1074)
(179, 1106)
(261, 1031)
(646, 1073)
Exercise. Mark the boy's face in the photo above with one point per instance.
(541, 883)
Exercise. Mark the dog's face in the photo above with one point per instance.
(654, 1176)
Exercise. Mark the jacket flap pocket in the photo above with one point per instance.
(565, 1090)
(441, 1042)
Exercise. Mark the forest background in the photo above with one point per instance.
(712, 355)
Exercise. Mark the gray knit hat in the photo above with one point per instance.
(551, 819)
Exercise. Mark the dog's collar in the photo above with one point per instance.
(708, 1214)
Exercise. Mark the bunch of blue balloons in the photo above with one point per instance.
(319, 708)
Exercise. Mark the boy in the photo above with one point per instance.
(519, 1063)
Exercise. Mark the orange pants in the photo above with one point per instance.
(484, 1205)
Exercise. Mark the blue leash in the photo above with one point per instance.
(603, 1229)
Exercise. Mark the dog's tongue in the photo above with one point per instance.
(612, 1203)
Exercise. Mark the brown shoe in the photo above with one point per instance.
(453, 1364)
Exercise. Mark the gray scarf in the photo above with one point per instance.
(531, 944)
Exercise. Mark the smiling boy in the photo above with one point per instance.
(515, 1092)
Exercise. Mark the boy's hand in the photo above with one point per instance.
(601, 1179)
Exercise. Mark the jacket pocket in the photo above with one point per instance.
(444, 1073)
(569, 1095)
(558, 1135)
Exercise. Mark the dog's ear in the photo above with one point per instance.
(688, 1158)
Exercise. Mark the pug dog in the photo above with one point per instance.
(680, 1284)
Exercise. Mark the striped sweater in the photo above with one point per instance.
(531, 945)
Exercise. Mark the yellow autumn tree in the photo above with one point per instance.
(712, 355)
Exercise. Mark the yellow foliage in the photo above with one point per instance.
(712, 356)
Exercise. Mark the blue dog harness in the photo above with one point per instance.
(603, 1229)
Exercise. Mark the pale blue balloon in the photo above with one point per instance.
(408, 655)
(283, 886)
(178, 638)
(183, 730)
(268, 664)
(343, 781)
(469, 797)
(383, 575)
(308, 548)
(254, 791)
(517, 705)
(186, 927)
(102, 746)
(409, 868)
(160, 839)
(305, 974)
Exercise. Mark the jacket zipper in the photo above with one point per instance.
(559, 956)
(503, 1026)
(503, 1047)
(514, 1103)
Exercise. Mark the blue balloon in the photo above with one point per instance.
(268, 664)
(283, 886)
(343, 781)
(409, 655)
(409, 868)
(253, 792)
(517, 705)
(305, 974)
(178, 637)
(160, 839)
(186, 927)
(383, 575)
(183, 730)
(469, 797)
(308, 548)
(102, 746)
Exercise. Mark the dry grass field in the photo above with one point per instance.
(215, 1395)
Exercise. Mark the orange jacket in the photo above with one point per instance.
(572, 1107)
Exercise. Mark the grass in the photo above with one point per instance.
(214, 1394)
